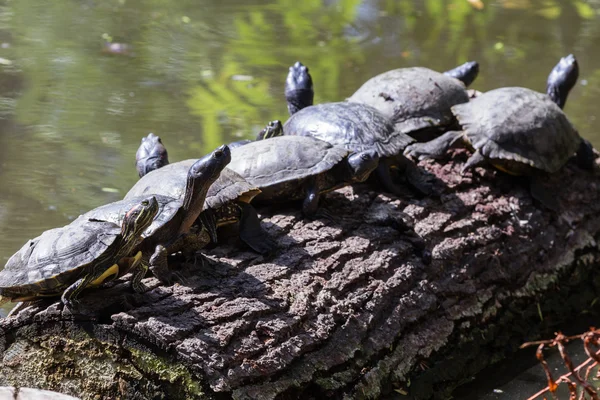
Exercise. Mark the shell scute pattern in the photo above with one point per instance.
(170, 180)
(519, 124)
(414, 98)
(284, 158)
(58, 251)
(355, 126)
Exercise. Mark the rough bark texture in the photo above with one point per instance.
(353, 307)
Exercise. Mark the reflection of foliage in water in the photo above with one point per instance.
(205, 73)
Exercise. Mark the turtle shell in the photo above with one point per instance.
(413, 98)
(54, 260)
(354, 126)
(170, 180)
(282, 159)
(115, 212)
(518, 124)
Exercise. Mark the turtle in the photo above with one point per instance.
(518, 131)
(359, 127)
(417, 100)
(151, 155)
(85, 253)
(177, 213)
(288, 168)
(227, 200)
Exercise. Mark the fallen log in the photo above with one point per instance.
(390, 292)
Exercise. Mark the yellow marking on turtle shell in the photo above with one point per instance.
(4, 300)
(503, 169)
(249, 195)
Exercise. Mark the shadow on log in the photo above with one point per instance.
(355, 307)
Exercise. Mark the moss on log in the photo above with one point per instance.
(390, 291)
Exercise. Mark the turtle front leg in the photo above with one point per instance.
(71, 293)
(311, 200)
(138, 269)
(159, 265)
(476, 160)
(435, 148)
(252, 232)
(385, 179)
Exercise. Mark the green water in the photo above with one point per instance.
(200, 73)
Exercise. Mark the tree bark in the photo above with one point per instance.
(389, 291)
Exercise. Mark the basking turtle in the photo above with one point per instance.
(177, 212)
(150, 155)
(518, 130)
(64, 261)
(290, 168)
(227, 200)
(417, 100)
(359, 127)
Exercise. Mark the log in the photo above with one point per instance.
(388, 292)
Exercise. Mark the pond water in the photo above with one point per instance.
(200, 73)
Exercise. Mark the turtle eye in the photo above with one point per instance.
(364, 157)
(218, 153)
(145, 203)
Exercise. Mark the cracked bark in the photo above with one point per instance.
(347, 308)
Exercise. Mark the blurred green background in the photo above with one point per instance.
(200, 73)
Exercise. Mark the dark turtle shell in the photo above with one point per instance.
(284, 158)
(354, 126)
(519, 125)
(413, 98)
(54, 260)
(170, 180)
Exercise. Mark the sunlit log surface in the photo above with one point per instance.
(390, 291)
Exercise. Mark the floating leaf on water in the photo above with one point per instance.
(498, 46)
(110, 190)
(185, 19)
(5, 61)
(477, 4)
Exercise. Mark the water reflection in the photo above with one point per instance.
(202, 73)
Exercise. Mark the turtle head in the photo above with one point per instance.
(298, 88)
(201, 175)
(273, 128)
(151, 155)
(362, 163)
(466, 73)
(139, 217)
(562, 78)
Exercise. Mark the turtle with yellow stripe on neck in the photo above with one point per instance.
(518, 131)
(86, 253)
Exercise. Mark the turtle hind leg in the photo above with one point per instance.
(585, 155)
(251, 231)
(435, 148)
(543, 194)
